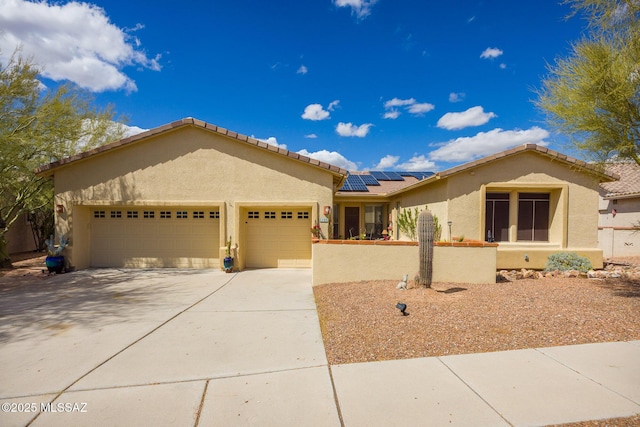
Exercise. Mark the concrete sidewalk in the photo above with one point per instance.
(534, 387)
(193, 347)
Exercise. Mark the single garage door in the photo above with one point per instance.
(155, 237)
(277, 237)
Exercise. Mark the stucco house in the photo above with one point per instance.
(531, 200)
(619, 207)
(172, 197)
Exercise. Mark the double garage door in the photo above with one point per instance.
(155, 237)
(277, 237)
(189, 237)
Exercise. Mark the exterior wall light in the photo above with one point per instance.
(59, 209)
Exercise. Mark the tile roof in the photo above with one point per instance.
(629, 183)
(48, 169)
(603, 175)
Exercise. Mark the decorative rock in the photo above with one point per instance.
(608, 273)
(527, 274)
(571, 273)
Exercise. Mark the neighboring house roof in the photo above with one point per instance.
(48, 169)
(629, 183)
(593, 169)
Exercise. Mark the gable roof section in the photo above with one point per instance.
(629, 183)
(592, 169)
(51, 167)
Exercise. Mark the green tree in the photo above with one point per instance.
(38, 126)
(593, 94)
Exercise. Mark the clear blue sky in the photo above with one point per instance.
(386, 84)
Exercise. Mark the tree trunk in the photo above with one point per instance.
(5, 261)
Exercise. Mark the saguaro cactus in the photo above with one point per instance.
(425, 245)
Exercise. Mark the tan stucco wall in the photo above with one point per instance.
(433, 196)
(616, 236)
(20, 237)
(460, 198)
(184, 167)
(535, 258)
(353, 261)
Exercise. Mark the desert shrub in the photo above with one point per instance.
(567, 261)
(408, 224)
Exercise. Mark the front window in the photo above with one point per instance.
(373, 221)
(497, 217)
(533, 217)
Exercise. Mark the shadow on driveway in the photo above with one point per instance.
(92, 298)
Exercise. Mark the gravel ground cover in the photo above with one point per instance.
(360, 321)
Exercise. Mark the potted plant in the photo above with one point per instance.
(54, 260)
(228, 259)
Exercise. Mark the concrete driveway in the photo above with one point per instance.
(205, 348)
(164, 347)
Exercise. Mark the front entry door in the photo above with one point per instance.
(351, 222)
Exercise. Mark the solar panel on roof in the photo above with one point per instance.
(422, 175)
(369, 180)
(357, 184)
(379, 175)
(394, 176)
(386, 176)
(354, 183)
(417, 175)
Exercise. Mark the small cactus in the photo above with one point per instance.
(425, 246)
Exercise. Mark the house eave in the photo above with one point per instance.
(49, 169)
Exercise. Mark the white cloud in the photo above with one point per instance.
(311, 136)
(420, 109)
(396, 102)
(393, 114)
(411, 105)
(73, 41)
(417, 164)
(132, 130)
(302, 70)
(360, 8)
(485, 143)
(349, 129)
(315, 112)
(456, 97)
(331, 157)
(474, 116)
(387, 162)
(503, 66)
(332, 105)
(491, 53)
